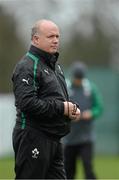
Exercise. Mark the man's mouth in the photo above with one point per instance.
(55, 47)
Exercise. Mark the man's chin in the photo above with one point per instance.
(53, 52)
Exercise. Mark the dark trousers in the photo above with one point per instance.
(85, 152)
(37, 156)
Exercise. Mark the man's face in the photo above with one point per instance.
(48, 39)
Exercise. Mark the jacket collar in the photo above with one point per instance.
(49, 59)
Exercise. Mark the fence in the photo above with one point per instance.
(106, 127)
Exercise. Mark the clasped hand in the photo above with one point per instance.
(71, 110)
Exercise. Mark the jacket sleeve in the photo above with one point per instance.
(97, 103)
(26, 95)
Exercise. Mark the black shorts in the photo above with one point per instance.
(37, 156)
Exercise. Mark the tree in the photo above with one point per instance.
(94, 51)
(11, 49)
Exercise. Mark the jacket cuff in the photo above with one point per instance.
(60, 108)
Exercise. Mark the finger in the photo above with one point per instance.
(74, 109)
(78, 112)
(72, 117)
(77, 118)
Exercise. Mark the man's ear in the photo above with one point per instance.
(35, 40)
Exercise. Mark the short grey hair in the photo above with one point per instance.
(36, 28)
(34, 31)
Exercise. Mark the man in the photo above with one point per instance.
(43, 107)
(79, 143)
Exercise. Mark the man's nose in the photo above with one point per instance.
(55, 40)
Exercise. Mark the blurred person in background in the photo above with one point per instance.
(43, 108)
(80, 141)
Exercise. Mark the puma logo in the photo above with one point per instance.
(46, 70)
(26, 81)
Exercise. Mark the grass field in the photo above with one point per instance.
(105, 168)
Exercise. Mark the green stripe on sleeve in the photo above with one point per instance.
(23, 121)
(35, 59)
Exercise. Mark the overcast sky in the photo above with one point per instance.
(63, 12)
(66, 13)
(71, 16)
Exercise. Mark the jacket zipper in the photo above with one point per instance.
(62, 87)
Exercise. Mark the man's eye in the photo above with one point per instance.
(50, 36)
